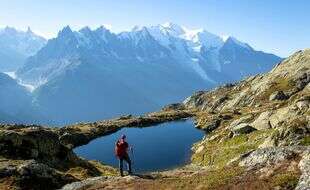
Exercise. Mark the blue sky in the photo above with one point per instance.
(277, 26)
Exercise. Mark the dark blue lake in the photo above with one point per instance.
(159, 147)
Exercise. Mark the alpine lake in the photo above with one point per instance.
(156, 148)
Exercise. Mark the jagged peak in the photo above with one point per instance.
(102, 28)
(173, 28)
(231, 39)
(65, 30)
(138, 28)
(85, 28)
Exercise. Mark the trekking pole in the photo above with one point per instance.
(132, 160)
(131, 149)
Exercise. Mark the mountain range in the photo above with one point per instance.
(16, 46)
(88, 75)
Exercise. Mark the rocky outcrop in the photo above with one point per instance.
(34, 142)
(271, 156)
(33, 157)
(242, 128)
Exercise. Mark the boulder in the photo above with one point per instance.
(243, 128)
(262, 121)
(199, 149)
(33, 168)
(41, 144)
(31, 174)
(270, 156)
(278, 95)
(304, 166)
(303, 104)
(269, 142)
(302, 80)
(280, 116)
(85, 183)
(244, 119)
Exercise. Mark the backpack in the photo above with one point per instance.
(121, 148)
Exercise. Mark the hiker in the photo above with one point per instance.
(121, 151)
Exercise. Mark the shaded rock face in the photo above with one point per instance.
(36, 143)
(30, 174)
(278, 95)
(302, 81)
(34, 175)
(214, 124)
(32, 157)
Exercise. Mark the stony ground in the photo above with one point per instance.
(258, 137)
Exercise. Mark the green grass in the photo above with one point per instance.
(305, 141)
(218, 154)
(213, 179)
(287, 180)
(281, 84)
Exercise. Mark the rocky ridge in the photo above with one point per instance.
(261, 122)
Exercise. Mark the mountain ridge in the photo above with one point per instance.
(171, 43)
(153, 66)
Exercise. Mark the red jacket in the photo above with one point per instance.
(121, 147)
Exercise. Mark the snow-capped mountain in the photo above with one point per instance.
(16, 46)
(94, 74)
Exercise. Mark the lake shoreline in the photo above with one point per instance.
(155, 148)
(48, 154)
